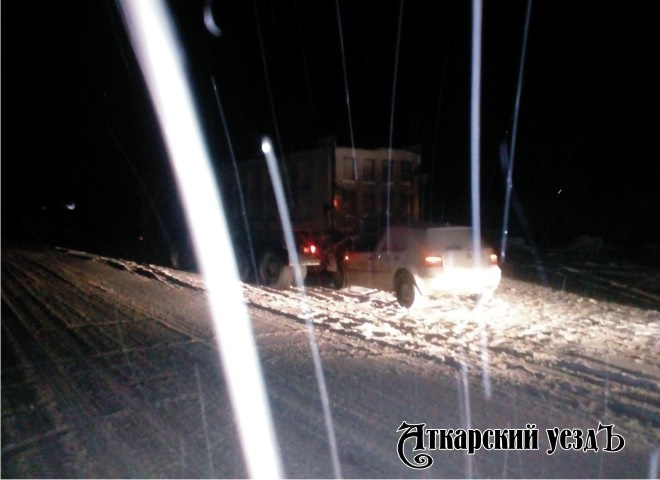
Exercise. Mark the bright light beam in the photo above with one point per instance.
(278, 189)
(475, 131)
(475, 145)
(159, 54)
(653, 464)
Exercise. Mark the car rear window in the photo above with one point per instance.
(451, 238)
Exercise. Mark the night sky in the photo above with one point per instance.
(78, 127)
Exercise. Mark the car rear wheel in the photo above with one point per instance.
(274, 273)
(405, 290)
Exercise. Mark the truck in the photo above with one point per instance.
(332, 191)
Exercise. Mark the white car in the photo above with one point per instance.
(428, 260)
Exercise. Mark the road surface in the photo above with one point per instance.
(110, 369)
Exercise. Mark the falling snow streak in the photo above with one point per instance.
(436, 134)
(463, 391)
(522, 219)
(514, 133)
(475, 130)
(148, 197)
(304, 57)
(389, 150)
(241, 196)
(348, 98)
(202, 407)
(276, 180)
(272, 103)
(115, 32)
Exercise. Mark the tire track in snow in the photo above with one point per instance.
(97, 385)
(533, 334)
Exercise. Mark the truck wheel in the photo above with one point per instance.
(286, 278)
(405, 290)
(273, 272)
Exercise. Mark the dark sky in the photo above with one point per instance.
(78, 125)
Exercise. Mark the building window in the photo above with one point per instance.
(383, 202)
(387, 173)
(406, 171)
(369, 170)
(349, 169)
(406, 204)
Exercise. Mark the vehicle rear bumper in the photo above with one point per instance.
(459, 281)
(309, 260)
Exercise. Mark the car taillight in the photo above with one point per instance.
(432, 261)
(493, 259)
(310, 249)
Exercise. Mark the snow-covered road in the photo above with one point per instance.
(109, 369)
(568, 346)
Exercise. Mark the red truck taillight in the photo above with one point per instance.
(310, 249)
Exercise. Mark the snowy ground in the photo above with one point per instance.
(590, 268)
(109, 369)
(566, 344)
